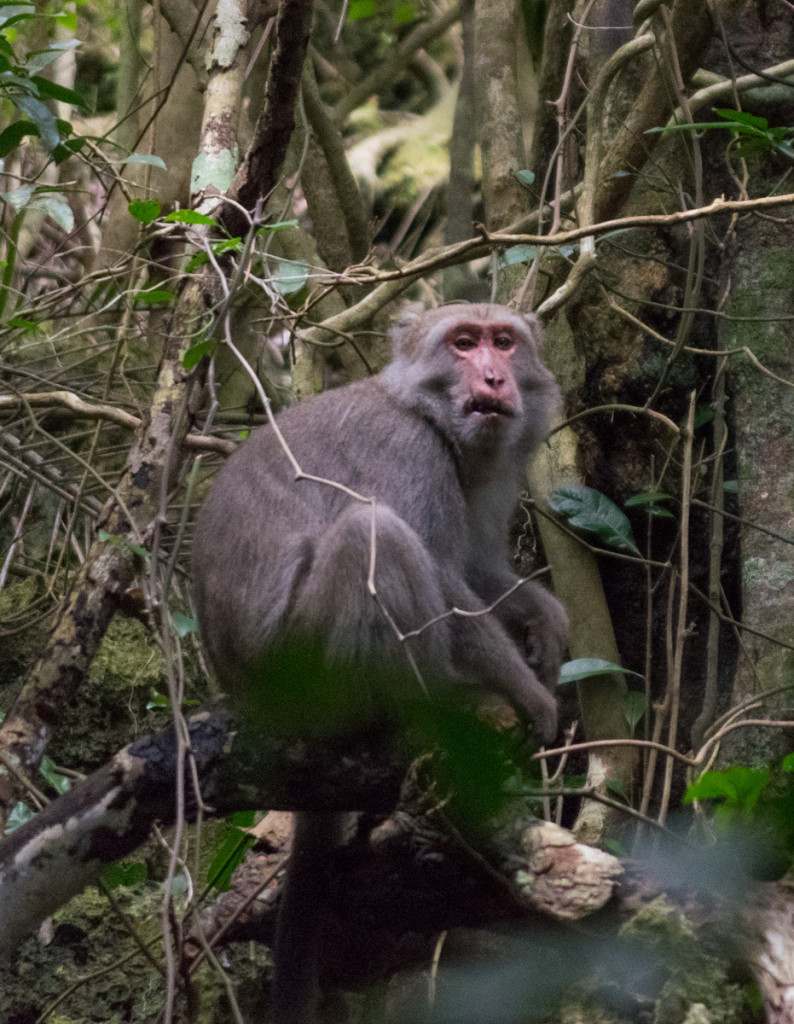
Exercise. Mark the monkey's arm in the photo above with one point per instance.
(485, 653)
(533, 617)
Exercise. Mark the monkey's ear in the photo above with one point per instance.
(536, 331)
(403, 329)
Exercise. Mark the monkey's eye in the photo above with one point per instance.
(503, 341)
(465, 343)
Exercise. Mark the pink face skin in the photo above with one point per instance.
(484, 354)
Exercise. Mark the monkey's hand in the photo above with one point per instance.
(545, 635)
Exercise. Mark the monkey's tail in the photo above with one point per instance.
(295, 992)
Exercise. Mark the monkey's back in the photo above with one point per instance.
(257, 528)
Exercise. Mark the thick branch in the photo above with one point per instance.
(259, 172)
(68, 844)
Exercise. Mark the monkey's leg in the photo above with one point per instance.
(333, 603)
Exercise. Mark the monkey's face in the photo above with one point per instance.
(485, 392)
(475, 371)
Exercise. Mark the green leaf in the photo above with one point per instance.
(153, 296)
(525, 177)
(278, 226)
(123, 542)
(634, 708)
(231, 851)
(703, 414)
(584, 668)
(743, 118)
(58, 92)
(184, 624)
(739, 787)
(290, 276)
(145, 158)
(37, 60)
(48, 769)
(125, 872)
(20, 814)
(616, 789)
(11, 136)
(227, 245)
(196, 353)
(23, 324)
(646, 498)
(731, 487)
(359, 9)
(189, 217)
(144, 210)
(18, 198)
(404, 13)
(9, 13)
(590, 510)
(41, 115)
(517, 254)
(55, 208)
(197, 260)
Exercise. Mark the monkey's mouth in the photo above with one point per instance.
(488, 407)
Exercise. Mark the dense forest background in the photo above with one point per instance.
(213, 210)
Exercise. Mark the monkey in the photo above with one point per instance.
(439, 441)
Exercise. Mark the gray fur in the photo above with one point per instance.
(277, 560)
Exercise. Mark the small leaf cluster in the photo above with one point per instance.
(22, 84)
(753, 809)
(753, 133)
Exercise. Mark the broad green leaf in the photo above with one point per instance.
(153, 296)
(20, 814)
(742, 117)
(196, 260)
(231, 851)
(731, 487)
(10, 13)
(144, 210)
(18, 198)
(593, 511)
(360, 9)
(616, 789)
(58, 92)
(227, 245)
(739, 786)
(584, 668)
(290, 276)
(54, 207)
(11, 136)
(404, 13)
(41, 115)
(525, 177)
(634, 708)
(196, 353)
(39, 59)
(145, 158)
(125, 873)
(189, 217)
(48, 769)
(184, 624)
(517, 254)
